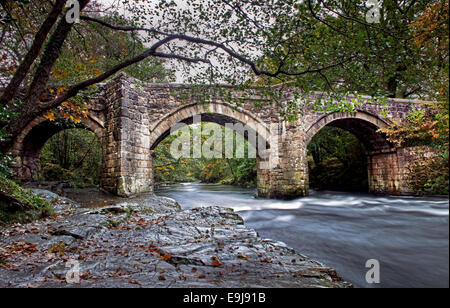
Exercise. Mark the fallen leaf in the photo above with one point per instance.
(166, 257)
(216, 262)
(243, 257)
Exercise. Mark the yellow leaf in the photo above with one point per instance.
(50, 116)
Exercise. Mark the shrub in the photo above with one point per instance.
(20, 205)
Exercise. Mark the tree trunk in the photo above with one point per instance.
(33, 107)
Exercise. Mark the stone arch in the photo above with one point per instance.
(363, 125)
(383, 163)
(220, 113)
(27, 146)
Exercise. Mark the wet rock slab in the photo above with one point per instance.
(152, 243)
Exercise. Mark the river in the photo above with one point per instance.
(409, 236)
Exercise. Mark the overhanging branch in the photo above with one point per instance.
(221, 46)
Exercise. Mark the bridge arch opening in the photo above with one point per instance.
(337, 161)
(346, 152)
(36, 150)
(237, 165)
(72, 155)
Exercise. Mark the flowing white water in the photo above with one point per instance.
(409, 236)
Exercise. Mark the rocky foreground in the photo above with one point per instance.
(151, 243)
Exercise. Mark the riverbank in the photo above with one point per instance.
(151, 242)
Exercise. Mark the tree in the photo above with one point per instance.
(387, 59)
(429, 126)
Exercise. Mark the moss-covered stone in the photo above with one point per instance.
(20, 205)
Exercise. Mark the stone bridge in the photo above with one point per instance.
(131, 118)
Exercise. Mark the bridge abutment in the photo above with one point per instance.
(389, 170)
(383, 172)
